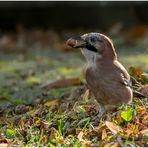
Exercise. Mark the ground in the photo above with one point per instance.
(32, 114)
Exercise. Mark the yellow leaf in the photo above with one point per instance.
(135, 129)
(104, 134)
(50, 103)
(38, 122)
(21, 124)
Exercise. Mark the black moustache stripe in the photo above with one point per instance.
(91, 48)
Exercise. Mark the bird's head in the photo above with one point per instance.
(94, 46)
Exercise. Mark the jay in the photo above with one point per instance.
(106, 77)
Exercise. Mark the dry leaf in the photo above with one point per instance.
(80, 135)
(21, 124)
(144, 132)
(144, 90)
(141, 110)
(86, 95)
(132, 129)
(113, 127)
(37, 122)
(112, 144)
(104, 134)
(137, 72)
(62, 83)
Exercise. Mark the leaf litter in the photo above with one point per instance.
(64, 114)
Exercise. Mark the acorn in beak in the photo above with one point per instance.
(76, 42)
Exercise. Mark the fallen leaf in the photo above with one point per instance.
(144, 132)
(114, 128)
(62, 83)
(112, 144)
(132, 129)
(37, 122)
(21, 124)
(104, 134)
(144, 90)
(80, 135)
(137, 72)
(127, 115)
(51, 103)
(141, 110)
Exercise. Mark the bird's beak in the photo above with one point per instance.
(76, 42)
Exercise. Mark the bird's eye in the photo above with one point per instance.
(93, 39)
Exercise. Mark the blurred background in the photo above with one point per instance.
(72, 15)
(33, 37)
(44, 23)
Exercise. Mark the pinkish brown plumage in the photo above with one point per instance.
(106, 77)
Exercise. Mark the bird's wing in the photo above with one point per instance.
(124, 76)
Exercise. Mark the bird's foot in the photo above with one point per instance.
(100, 115)
(116, 113)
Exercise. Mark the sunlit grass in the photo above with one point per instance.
(21, 75)
(135, 61)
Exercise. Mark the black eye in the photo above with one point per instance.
(93, 39)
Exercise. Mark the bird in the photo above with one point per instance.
(106, 77)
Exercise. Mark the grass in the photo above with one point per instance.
(28, 118)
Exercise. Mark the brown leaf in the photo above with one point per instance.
(62, 83)
(141, 110)
(136, 72)
(113, 127)
(144, 132)
(145, 119)
(112, 144)
(132, 129)
(144, 90)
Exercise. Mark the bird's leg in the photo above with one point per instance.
(111, 111)
(99, 114)
(101, 110)
(116, 113)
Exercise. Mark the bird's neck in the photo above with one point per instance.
(109, 54)
(107, 58)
